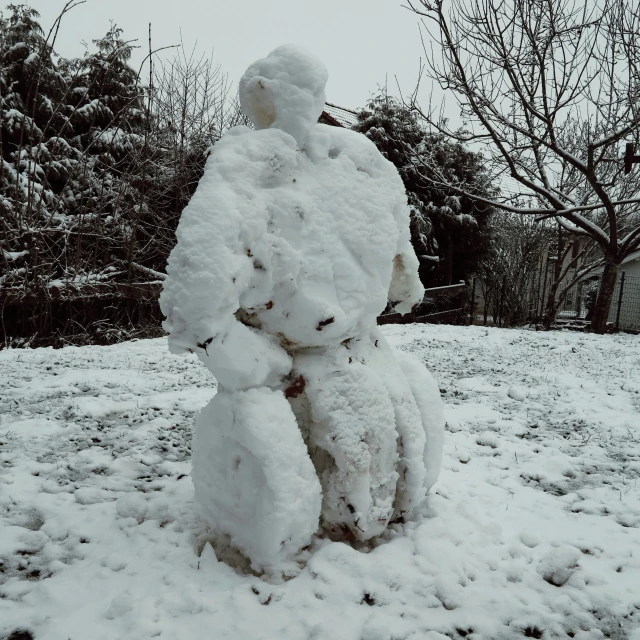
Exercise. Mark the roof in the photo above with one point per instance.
(339, 116)
(632, 256)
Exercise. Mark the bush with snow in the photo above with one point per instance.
(296, 238)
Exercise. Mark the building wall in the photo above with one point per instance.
(630, 307)
(631, 268)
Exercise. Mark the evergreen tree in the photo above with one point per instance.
(450, 234)
(110, 124)
(111, 114)
(95, 168)
(69, 180)
(30, 91)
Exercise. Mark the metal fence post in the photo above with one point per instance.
(620, 301)
(579, 287)
(537, 295)
(544, 289)
(500, 308)
(473, 301)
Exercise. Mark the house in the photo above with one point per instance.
(338, 116)
(631, 265)
(628, 316)
(625, 309)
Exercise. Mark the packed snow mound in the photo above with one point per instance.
(426, 393)
(372, 420)
(294, 242)
(285, 91)
(253, 476)
(348, 420)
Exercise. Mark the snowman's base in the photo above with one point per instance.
(373, 423)
(357, 444)
(253, 476)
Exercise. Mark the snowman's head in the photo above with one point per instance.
(285, 90)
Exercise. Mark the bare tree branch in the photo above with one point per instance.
(549, 90)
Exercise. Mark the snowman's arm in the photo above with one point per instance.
(212, 265)
(405, 289)
(242, 357)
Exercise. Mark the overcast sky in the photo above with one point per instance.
(363, 42)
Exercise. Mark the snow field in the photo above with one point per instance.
(532, 530)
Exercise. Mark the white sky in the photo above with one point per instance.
(363, 42)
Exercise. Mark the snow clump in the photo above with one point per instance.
(284, 91)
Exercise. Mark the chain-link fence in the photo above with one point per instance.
(499, 303)
(625, 310)
(624, 313)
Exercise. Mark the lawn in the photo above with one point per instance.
(533, 529)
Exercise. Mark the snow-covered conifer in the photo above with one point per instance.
(449, 233)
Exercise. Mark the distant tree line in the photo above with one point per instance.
(99, 160)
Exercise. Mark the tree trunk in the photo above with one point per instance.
(552, 305)
(605, 296)
(552, 308)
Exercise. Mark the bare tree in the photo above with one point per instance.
(510, 273)
(191, 111)
(188, 109)
(572, 263)
(550, 89)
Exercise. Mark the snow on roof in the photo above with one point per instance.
(344, 117)
(632, 256)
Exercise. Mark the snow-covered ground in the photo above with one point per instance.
(533, 529)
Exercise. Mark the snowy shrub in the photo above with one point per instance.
(96, 168)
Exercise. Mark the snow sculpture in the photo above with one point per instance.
(295, 239)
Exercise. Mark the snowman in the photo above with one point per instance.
(294, 242)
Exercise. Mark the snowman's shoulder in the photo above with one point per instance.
(240, 171)
(244, 145)
(244, 161)
(342, 144)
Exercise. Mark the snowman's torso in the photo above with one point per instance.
(323, 238)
